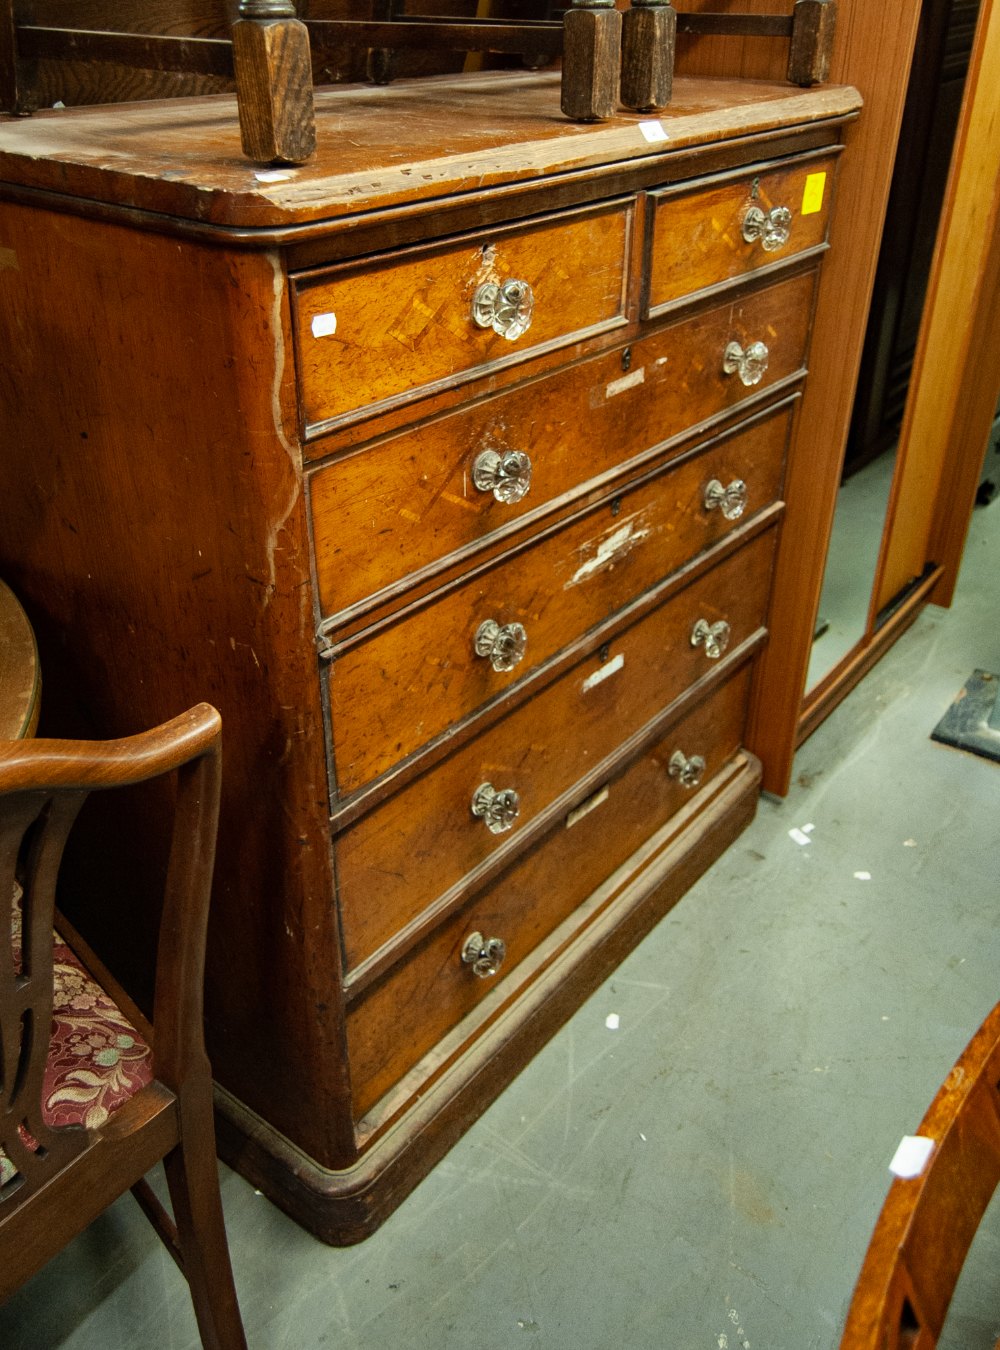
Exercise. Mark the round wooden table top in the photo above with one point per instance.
(20, 677)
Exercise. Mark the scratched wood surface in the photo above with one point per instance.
(408, 324)
(176, 569)
(424, 840)
(709, 223)
(416, 490)
(403, 1016)
(422, 675)
(412, 141)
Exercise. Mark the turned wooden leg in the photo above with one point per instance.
(591, 72)
(649, 38)
(813, 24)
(273, 83)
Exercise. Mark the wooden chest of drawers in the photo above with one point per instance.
(453, 476)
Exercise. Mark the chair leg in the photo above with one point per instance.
(193, 1180)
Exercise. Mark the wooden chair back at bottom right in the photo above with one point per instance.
(928, 1222)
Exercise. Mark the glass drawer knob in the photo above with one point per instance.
(507, 475)
(688, 772)
(769, 228)
(506, 308)
(731, 500)
(503, 645)
(714, 637)
(750, 364)
(484, 955)
(499, 810)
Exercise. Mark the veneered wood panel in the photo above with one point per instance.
(698, 237)
(373, 336)
(408, 1011)
(415, 493)
(424, 840)
(421, 675)
(152, 521)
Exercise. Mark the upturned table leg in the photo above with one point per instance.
(591, 73)
(273, 83)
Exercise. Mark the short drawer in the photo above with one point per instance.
(401, 507)
(453, 654)
(403, 1016)
(372, 336)
(427, 838)
(730, 227)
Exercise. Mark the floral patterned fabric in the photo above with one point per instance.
(97, 1059)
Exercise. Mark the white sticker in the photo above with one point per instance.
(629, 381)
(604, 672)
(653, 131)
(862, 876)
(612, 1021)
(912, 1156)
(273, 176)
(799, 836)
(324, 325)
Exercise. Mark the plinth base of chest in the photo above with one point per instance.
(345, 1206)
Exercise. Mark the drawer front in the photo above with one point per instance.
(406, 853)
(387, 512)
(375, 336)
(453, 655)
(403, 1016)
(728, 229)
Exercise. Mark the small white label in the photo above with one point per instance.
(612, 1021)
(799, 836)
(862, 876)
(653, 131)
(604, 672)
(273, 176)
(324, 325)
(912, 1156)
(629, 381)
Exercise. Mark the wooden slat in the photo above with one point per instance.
(736, 25)
(468, 35)
(200, 56)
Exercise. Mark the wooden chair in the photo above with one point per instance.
(269, 52)
(927, 1223)
(87, 1111)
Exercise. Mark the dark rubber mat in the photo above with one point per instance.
(973, 720)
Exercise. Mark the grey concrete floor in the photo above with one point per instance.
(708, 1174)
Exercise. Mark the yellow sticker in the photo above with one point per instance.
(812, 197)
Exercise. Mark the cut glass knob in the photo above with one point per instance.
(499, 810)
(506, 474)
(750, 364)
(731, 500)
(714, 637)
(503, 645)
(506, 308)
(484, 955)
(769, 228)
(688, 772)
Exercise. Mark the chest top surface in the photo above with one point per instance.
(378, 147)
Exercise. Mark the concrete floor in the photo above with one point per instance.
(707, 1175)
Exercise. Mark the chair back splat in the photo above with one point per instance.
(91, 1094)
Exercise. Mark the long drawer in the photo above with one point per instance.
(427, 838)
(368, 337)
(727, 228)
(453, 654)
(404, 1015)
(389, 511)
